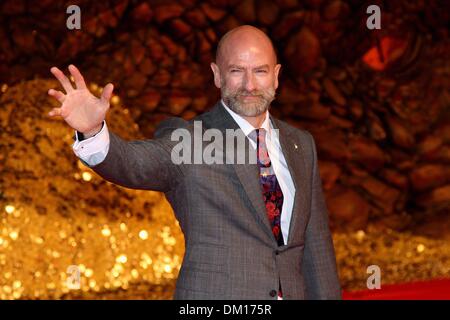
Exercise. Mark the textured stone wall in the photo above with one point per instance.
(377, 102)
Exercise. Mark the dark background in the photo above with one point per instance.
(376, 101)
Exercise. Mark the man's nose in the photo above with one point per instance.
(249, 82)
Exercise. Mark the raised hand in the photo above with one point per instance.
(79, 107)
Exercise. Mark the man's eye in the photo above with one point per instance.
(235, 70)
(261, 71)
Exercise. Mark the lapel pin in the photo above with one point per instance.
(295, 145)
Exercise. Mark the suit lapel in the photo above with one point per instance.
(294, 152)
(248, 174)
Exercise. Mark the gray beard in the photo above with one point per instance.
(252, 109)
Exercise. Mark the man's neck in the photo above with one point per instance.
(257, 121)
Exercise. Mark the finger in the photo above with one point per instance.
(79, 80)
(65, 82)
(107, 92)
(55, 112)
(58, 95)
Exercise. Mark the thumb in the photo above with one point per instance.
(107, 92)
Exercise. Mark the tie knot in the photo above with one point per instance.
(261, 132)
(258, 135)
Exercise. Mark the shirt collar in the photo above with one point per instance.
(245, 126)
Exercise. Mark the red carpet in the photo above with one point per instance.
(438, 289)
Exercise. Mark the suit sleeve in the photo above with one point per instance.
(319, 262)
(142, 164)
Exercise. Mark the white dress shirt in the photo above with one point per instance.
(94, 150)
(278, 162)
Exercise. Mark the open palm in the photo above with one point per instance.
(79, 107)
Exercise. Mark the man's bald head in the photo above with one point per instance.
(244, 37)
(246, 71)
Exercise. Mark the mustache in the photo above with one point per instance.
(249, 94)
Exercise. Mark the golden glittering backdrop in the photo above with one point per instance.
(56, 213)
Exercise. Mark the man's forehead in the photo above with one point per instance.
(246, 43)
(247, 50)
(246, 55)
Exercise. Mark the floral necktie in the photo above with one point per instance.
(272, 194)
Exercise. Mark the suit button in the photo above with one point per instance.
(277, 252)
(273, 293)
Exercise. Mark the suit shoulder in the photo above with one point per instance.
(170, 124)
(303, 134)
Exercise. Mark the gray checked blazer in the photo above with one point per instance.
(231, 252)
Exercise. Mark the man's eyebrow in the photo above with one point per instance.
(235, 66)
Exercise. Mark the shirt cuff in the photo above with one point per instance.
(93, 150)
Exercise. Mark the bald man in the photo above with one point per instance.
(253, 230)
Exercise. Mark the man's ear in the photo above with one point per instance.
(216, 72)
(277, 71)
